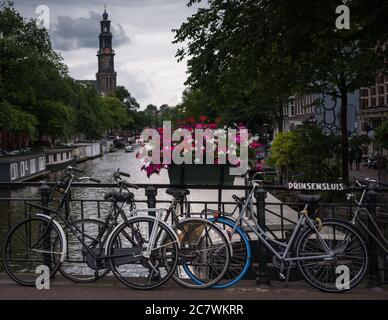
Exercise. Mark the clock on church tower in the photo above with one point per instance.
(106, 75)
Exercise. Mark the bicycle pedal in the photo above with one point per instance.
(282, 276)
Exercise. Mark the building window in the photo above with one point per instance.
(381, 101)
(32, 166)
(42, 163)
(22, 169)
(14, 171)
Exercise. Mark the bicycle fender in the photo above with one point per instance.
(64, 249)
(231, 223)
(119, 225)
(222, 231)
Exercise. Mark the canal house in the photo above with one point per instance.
(57, 159)
(22, 167)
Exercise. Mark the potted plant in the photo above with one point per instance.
(195, 171)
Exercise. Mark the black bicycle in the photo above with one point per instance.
(136, 256)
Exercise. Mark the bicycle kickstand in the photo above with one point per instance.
(288, 274)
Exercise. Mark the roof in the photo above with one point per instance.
(21, 157)
(55, 150)
(93, 83)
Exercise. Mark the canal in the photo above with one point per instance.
(101, 168)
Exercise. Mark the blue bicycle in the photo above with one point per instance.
(323, 249)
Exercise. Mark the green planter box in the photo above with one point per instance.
(205, 174)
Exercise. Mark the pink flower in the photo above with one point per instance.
(255, 145)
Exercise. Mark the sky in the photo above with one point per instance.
(145, 57)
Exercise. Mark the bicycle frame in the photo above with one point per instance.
(356, 220)
(261, 234)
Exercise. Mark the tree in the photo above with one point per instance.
(308, 153)
(381, 135)
(114, 113)
(56, 119)
(264, 51)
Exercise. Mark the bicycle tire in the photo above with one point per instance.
(51, 257)
(241, 257)
(79, 271)
(131, 239)
(192, 258)
(338, 236)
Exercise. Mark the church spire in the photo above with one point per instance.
(106, 75)
(105, 14)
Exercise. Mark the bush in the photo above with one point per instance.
(308, 153)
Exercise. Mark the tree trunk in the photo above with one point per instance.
(344, 136)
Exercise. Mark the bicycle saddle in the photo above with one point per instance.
(306, 198)
(178, 193)
(116, 196)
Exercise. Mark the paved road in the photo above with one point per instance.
(111, 289)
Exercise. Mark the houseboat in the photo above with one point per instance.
(93, 150)
(86, 151)
(22, 167)
(107, 146)
(57, 159)
(79, 152)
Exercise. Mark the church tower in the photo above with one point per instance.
(106, 75)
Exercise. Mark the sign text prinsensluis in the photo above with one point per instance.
(324, 186)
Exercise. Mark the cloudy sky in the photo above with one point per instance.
(145, 58)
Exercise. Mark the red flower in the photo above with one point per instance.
(190, 120)
(203, 118)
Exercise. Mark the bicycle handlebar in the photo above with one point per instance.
(70, 168)
(370, 180)
(123, 174)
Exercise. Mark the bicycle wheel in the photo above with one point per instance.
(204, 256)
(241, 255)
(80, 265)
(31, 243)
(348, 264)
(129, 259)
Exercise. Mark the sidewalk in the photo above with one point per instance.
(363, 173)
(111, 289)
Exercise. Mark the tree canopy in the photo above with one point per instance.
(37, 95)
(252, 55)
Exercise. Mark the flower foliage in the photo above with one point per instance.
(191, 147)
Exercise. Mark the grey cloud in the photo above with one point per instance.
(73, 33)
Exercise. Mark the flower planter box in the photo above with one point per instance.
(202, 174)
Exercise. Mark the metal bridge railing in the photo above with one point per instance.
(13, 209)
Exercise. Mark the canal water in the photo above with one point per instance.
(101, 168)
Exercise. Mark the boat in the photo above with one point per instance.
(22, 167)
(128, 149)
(57, 159)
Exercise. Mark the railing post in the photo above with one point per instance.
(373, 276)
(262, 271)
(45, 191)
(151, 193)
